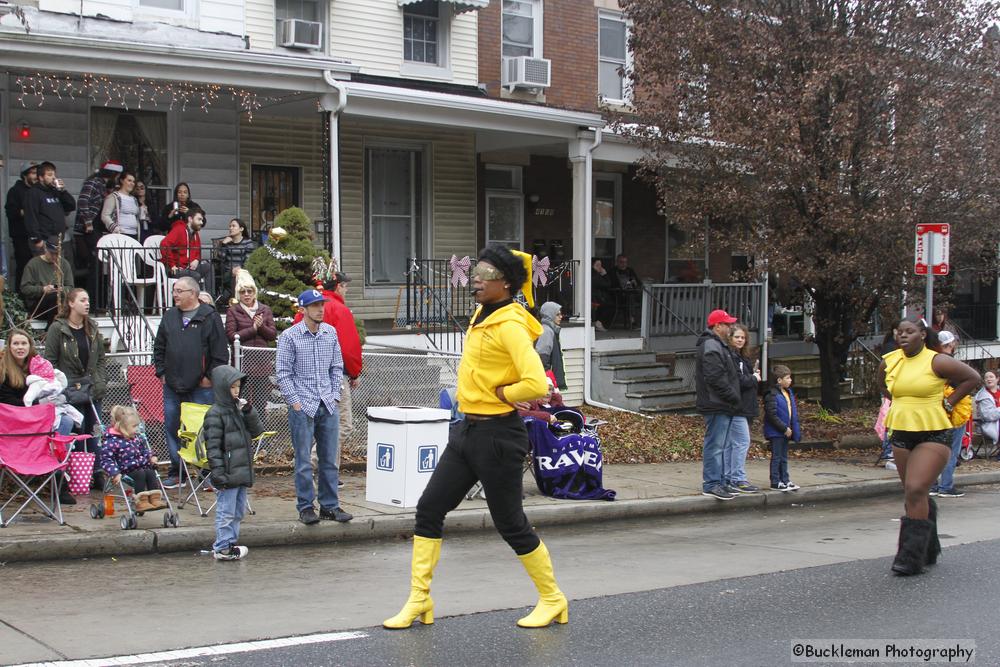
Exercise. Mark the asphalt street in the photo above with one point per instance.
(732, 588)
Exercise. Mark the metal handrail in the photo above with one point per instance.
(964, 336)
(130, 303)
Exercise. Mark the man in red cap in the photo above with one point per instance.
(718, 399)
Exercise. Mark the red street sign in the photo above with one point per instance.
(938, 264)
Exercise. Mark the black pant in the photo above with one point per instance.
(45, 308)
(22, 255)
(144, 479)
(493, 452)
(604, 313)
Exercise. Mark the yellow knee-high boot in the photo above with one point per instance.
(552, 604)
(426, 552)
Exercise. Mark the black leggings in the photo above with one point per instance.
(491, 451)
(144, 479)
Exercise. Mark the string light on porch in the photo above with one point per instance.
(138, 92)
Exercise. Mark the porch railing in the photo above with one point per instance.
(682, 309)
(131, 328)
(436, 307)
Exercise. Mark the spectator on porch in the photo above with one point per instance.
(45, 208)
(624, 275)
(177, 209)
(600, 296)
(120, 213)
(14, 206)
(88, 227)
(145, 222)
(942, 322)
(40, 283)
(234, 250)
(181, 249)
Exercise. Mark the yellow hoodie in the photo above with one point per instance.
(500, 351)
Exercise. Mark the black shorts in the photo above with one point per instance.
(910, 439)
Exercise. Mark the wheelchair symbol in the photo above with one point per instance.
(385, 457)
(427, 458)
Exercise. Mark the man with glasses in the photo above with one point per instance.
(190, 342)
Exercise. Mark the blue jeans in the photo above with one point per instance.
(716, 435)
(323, 427)
(172, 418)
(229, 509)
(886, 448)
(65, 425)
(946, 482)
(734, 456)
(779, 460)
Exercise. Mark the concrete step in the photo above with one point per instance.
(662, 398)
(649, 383)
(634, 370)
(798, 364)
(625, 357)
(685, 408)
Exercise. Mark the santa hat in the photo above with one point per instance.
(41, 367)
(113, 166)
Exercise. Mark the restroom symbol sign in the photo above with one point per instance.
(427, 457)
(385, 457)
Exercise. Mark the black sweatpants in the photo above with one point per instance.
(144, 479)
(491, 451)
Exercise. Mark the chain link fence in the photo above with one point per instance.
(387, 379)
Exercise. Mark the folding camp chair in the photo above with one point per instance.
(194, 456)
(192, 453)
(30, 455)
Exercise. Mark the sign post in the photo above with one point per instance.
(930, 258)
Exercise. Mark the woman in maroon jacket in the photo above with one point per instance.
(253, 322)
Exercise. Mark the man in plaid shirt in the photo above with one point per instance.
(310, 370)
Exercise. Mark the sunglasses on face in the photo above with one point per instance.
(485, 271)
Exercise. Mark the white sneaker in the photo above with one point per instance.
(792, 486)
(890, 464)
(599, 325)
(234, 552)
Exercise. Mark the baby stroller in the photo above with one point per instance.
(129, 520)
(566, 457)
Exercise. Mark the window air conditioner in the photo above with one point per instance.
(527, 72)
(299, 34)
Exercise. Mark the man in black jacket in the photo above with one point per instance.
(718, 399)
(14, 206)
(190, 342)
(46, 206)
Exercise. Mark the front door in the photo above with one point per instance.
(272, 190)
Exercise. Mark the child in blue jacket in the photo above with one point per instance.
(781, 424)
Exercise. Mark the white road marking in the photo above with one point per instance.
(201, 651)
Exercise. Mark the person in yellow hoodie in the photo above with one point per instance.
(499, 367)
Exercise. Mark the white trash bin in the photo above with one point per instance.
(404, 445)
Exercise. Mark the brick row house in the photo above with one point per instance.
(405, 128)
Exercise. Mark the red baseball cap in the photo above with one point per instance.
(719, 317)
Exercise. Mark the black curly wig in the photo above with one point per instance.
(510, 265)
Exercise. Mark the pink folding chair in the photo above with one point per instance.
(30, 455)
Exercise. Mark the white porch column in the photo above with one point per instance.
(578, 149)
(333, 104)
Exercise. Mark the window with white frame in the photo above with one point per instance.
(504, 205)
(607, 215)
(424, 31)
(522, 28)
(169, 5)
(613, 57)
(395, 211)
(303, 10)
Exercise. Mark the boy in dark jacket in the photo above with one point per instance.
(230, 426)
(781, 424)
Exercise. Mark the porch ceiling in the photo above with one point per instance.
(245, 69)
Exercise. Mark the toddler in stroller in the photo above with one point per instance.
(125, 452)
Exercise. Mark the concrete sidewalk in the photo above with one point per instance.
(643, 490)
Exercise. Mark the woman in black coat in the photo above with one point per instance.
(734, 456)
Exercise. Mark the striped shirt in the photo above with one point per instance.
(310, 367)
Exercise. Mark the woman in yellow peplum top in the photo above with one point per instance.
(919, 419)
